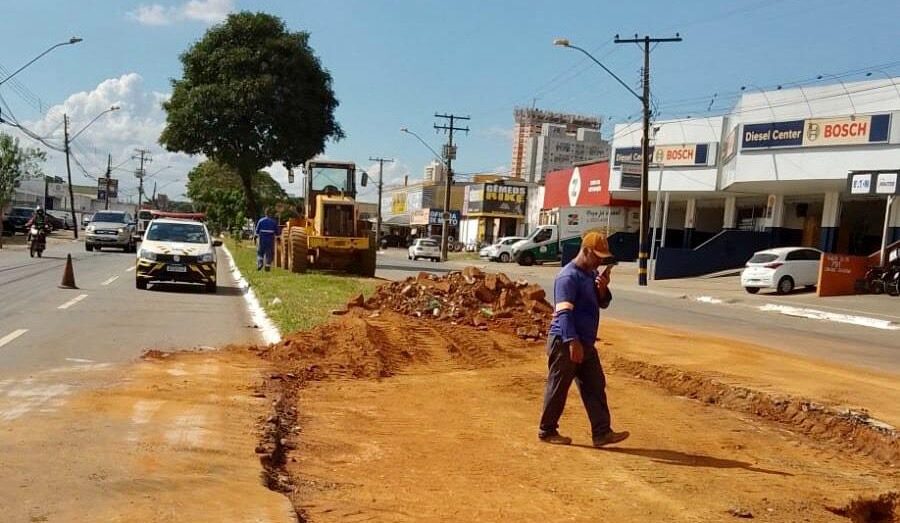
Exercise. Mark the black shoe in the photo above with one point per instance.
(555, 438)
(611, 437)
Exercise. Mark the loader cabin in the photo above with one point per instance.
(331, 195)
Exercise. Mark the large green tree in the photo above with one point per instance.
(252, 94)
(17, 163)
(217, 190)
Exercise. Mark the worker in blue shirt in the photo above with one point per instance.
(580, 291)
(266, 231)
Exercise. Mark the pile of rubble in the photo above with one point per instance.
(470, 297)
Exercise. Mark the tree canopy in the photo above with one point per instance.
(217, 190)
(17, 163)
(252, 94)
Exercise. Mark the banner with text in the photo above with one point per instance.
(817, 132)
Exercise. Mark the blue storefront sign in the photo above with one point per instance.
(628, 154)
(435, 217)
(772, 134)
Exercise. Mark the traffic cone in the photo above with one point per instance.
(68, 280)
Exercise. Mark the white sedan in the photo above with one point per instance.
(782, 269)
(501, 249)
(424, 248)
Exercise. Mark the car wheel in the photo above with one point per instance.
(504, 257)
(785, 285)
(140, 283)
(752, 290)
(415, 258)
(526, 259)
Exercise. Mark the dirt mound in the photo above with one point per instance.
(852, 430)
(882, 509)
(470, 297)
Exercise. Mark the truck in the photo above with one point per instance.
(566, 225)
(331, 234)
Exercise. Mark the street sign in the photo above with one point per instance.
(107, 184)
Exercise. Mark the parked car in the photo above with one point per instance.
(9, 228)
(783, 269)
(500, 250)
(110, 229)
(18, 217)
(55, 222)
(425, 248)
(85, 220)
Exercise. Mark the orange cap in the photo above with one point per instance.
(597, 243)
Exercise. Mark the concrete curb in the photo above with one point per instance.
(267, 328)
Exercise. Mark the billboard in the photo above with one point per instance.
(496, 199)
(873, 182)
(675, 155)
(433, 217)
(110, 185)
(817, 132)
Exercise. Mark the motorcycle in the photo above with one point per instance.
(37, 241)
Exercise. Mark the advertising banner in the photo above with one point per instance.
(676, 155)
(398, 203)
(874, 182)
(496, 199)
(433, 217)
(628, 155)
(112, 187)
(730, 147)
(818, 132)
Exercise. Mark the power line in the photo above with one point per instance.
(449, 155)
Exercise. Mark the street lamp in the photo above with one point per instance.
(436, 155)
(73, 40)
(448, 176)
(645, 156)
(67, 143)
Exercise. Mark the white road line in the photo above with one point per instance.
(129, 269)
(11, 336)
(73, 301)
(107, 282)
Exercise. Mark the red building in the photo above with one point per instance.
(584, 185)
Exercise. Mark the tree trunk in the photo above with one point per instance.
(249, 196)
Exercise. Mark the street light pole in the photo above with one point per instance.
(378, 207)
(73, 40)
(643, 250)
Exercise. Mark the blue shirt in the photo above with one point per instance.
(266, 229)
(577, 286)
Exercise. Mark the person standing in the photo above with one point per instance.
(580, 291)
(266, 231)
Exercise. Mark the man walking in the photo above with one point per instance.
(266, 230)
(579, 292)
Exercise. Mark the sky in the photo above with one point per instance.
(395, 63)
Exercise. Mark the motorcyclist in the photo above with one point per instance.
(38, 220)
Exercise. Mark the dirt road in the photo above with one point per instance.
(405, 419)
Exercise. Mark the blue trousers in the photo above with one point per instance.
(588, 375)
(265, 253)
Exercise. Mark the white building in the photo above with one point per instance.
(781, 170)
(434, 172)
(557, 148)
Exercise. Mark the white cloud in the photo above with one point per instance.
(206, 11)
(137, 124)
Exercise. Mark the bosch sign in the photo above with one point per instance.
(668, 155)
(817, 132)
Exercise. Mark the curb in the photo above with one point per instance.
(267, 329)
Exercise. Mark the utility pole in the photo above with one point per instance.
(69, 174)
(108, 175)
(449, 155)
(143, 156)
(380, 186)
(643, 251)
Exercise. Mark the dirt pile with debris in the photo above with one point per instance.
(881, 509)
(471, 297)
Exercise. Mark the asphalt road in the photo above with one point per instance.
(106, 320)
(836, 342)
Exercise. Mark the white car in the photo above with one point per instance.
(783, 269)
(501, 249)
(424, 248)
(175, 250)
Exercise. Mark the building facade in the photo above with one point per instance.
(494, 210)
(556, 148)
(528, 123)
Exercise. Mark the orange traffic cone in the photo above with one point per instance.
(68, 281)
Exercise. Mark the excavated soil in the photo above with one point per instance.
(419, 405)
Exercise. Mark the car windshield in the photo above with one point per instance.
(337, 177)
(763, 257)
(109, 217)
(22, 212)
(177, 232)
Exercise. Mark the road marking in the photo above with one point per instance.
(11, 336)
(107, 282)
(129, 269)
(863, 321)
(73, 301)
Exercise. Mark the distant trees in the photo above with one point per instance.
(17, 163)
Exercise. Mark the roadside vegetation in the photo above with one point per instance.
(296, 301)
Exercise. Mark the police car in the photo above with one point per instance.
(176, 250)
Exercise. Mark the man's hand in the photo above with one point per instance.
(602, 281)
(576, 351)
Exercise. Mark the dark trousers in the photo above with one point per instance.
(588, 375)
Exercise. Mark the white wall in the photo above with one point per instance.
(672, 132)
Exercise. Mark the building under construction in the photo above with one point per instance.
(529, 122)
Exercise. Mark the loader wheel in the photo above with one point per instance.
(298, 248)
(368, 259)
